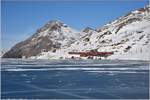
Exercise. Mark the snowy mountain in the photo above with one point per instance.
(54, 35)
(128, 37)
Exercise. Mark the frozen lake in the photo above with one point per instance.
(74, 79)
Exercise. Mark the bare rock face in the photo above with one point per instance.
(51, 37)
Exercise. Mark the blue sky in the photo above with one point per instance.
(20, 19)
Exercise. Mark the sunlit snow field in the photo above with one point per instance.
(74, 79)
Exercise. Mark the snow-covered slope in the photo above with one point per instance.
(128, 37)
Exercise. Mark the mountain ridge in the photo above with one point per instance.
(122, 36)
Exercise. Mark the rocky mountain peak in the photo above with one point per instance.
(87, 29)
(56, 23)
(52, 25)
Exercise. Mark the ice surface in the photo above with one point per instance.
(74, 79)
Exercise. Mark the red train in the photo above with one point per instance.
(91, 53)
